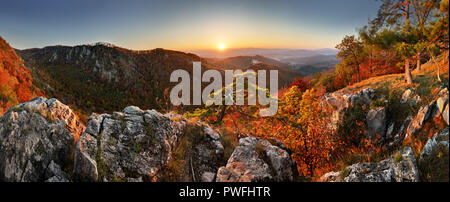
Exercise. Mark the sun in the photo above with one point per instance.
(221, 46)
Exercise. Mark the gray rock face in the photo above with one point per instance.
(402, 168)
(36, 141)
(442, 104)
(376, 122)
(133, 110)
(119, 146)
(432, 143)
(445, 114)
(256, 160)
(433, 110)
(337, 102)
(406, 96)
(209, 153)
(419, 120)
(136, 145)
(442, 101)
(390, 131)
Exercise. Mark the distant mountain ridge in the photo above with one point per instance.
(303, 60)
(103, 77)
(277, 54)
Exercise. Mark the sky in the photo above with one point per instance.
(183, 24)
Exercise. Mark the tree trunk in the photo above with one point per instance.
(438, 75)
(409, 79)
(221, 114)
(438, 68)
(357, 74)
(407, 2)
(418, 63)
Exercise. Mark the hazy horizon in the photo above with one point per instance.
(183, 25)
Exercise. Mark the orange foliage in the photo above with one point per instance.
(15, 79)
(302, 126)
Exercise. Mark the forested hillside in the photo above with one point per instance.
(16, 82)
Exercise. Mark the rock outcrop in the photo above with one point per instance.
(442, 104)
(440, 139)
(132, 145)
(376, 122)
(37, 143)
(434, 109)
(408, 96)
(400, 167)
(37, 140)
(136, 145)
(337, 102)
(256, 160)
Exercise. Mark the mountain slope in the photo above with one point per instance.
(286, 74)
(240, 62)
(102, 77)
(312, 64)
(16, 82)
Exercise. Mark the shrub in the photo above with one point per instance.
(351, 130)
(435, 167)
(178, 167)
(344, 173)
(398, 157)
(229, 142)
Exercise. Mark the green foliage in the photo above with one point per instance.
(137, 147)
(17, 109)
(102, 168)
(150, 132)
(396, 111)
(178, 167)
(351, 51)
(7, 95)
(326, 80)
(381, 102)
(436, 167)
(351, 130)
(345, 172)
(398, 157)
(229, 142)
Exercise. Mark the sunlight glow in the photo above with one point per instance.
(221, 46)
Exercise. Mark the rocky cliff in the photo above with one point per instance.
(37, 143)
(402, 166)
(256, 160)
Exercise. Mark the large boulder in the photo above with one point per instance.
(137, 145)
(337, 102)
(417, 123)
(209, 154)
(376, 122)
(406, 96)
(400, 167)
(442, 101)
(256, 160)
(445, 115)
(125, 146)
(440, 139)
(37, 140)
(442, 104)
(434, 158)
